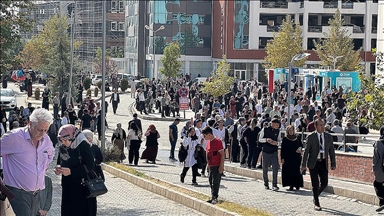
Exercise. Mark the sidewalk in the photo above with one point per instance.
(250, 191)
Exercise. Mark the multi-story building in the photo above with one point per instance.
(43, 11)
(242, 29)
(238, 29)
(87, 27)
(187, 22)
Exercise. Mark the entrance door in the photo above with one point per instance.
(240, 74)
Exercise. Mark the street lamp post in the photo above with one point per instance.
(297, 57)
(72, 49)
(335, 60)
(153, 44)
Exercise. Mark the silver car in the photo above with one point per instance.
(8, 99)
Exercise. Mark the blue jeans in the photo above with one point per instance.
(173, 146)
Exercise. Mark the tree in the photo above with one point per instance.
(220, 83)
(110, 65)
(285, 44)
(370, 99)
(160, 45)
(12, 22)
(58, 60)
(338, 42)
(171, 66)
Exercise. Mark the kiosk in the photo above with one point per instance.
(348, 80)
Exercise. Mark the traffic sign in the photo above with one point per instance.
(183, 103)
(183, 92)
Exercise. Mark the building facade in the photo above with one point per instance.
(188, 22)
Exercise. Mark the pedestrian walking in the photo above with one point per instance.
(56, 104)
(118, 138)
(319, 146)
(290, 155)
(23, 174)
(190, 142)
(378, 160)
(215, 159)
(173, 138)
(269, 139)
(115, 100)
(134, 137)
(152, 145)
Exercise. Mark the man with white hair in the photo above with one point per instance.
(27, 153)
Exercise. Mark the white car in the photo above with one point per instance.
(97, 79)
(8, 99)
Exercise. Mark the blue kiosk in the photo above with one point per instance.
(349, 80)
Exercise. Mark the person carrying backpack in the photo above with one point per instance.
(378, 169)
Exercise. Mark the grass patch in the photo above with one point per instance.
(229, 206)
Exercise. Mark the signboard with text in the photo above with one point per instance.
(183, 103)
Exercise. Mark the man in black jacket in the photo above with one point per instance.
(269, 139)
(115, 100)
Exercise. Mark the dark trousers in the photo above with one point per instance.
(273, 159)
(235, 150)
(55, 110)
(253, 156)
(214, 181)
(163, 108)
(194, 172)
(244, 156)
(142, 107)
(318, 172)
(134, 152)
(173, 146)
(24, 203)
(114, 106)
(379, 189)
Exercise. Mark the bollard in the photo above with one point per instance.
(344, 142)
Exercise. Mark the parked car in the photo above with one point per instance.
(97, 79)
(200, 80)
(8, 99)
(129, 77)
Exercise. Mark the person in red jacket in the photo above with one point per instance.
(215, 159)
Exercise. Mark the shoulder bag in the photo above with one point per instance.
(93, 187)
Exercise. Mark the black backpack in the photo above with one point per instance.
(183, 153)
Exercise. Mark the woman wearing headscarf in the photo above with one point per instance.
(134, 137)
(290, 155)
(75, 158)
(150, 152)
(191, 141)
(96, 152)
(118, 139)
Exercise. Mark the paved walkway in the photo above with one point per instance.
(124, 198)
(251, 192)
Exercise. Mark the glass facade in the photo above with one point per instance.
(241, 27)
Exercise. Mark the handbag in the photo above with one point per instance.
(93, 187)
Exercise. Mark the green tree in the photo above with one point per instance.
(171, 66)
(285, 44)
(220, 83)
(110, 65)
(160, 45)
(59, 56)
(12, 22)
(337, 42)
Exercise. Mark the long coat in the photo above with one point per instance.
(74, 201)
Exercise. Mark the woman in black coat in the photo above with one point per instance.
(291, 158)
(75, 158)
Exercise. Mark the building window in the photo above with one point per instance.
(121, 6)
(113, 6)
(41, 11)
(121, 26)
(113, 26)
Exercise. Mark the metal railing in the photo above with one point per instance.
(315, 28)
(273, 28)
(274, 4)
(343, 144)
(347, 5)
(330, 5)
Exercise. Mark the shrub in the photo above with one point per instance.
(89, 92)
(99, 84)
(110, 155)
(87, 83)
(96, 93)
(37, 94)
(124, 84)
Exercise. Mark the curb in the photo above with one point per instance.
(349, 193)
(178, 197)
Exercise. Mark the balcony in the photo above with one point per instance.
(315, 29)
(347, 5)
(330, 5)
(274, 4)
(374, 30)
(273, 28)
